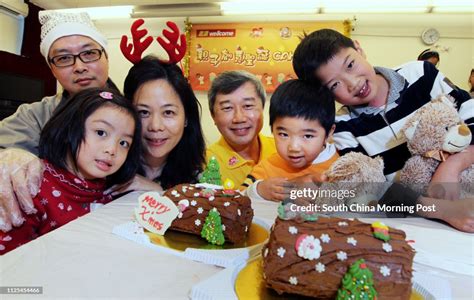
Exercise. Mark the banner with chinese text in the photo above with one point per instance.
(265, 50)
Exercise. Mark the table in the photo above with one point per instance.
(83, 259)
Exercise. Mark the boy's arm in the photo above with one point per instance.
(445, 181)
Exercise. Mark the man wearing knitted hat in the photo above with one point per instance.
(76, 53)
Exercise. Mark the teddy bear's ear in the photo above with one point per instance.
(379, 160)
(410, 130)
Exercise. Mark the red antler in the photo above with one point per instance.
(175, 50)
(138, 46)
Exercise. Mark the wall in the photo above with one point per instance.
(12, 32)
(388, 40)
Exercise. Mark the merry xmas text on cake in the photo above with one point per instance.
(362, 208)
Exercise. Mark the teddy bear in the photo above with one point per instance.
(433, 133)
(358, 173)
(353, 178)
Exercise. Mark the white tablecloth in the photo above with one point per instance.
(83, 259)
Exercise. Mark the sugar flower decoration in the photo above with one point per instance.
(352, 241)
(341, 255)
(320, 267)
(387, 247)
(292, 230)
(385, 271)
(281, 252)
(293, 280)
(325, 238)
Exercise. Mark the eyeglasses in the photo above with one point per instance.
(67, 60)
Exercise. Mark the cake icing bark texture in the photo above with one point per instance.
(195, 202)
(311, 257)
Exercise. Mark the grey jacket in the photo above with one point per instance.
(23, 128)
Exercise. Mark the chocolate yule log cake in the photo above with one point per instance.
(319, 257)
(195, 202)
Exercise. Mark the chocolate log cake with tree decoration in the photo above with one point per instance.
(322, 257)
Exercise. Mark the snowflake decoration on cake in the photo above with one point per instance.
(200, 210)
(197, 222)
(223, 227)
(293, 280)
(227, 203)
(265, 253)
(308, 247)
(385, 271)
(246, 228)
(281, 252)
(325, 238)
(184, 189)
(238, 212)
(196, 194)
(341, 255)
(387, 247)
(175, 193)
(211, 198)
(352, 241)
(292, 230)
(320, 267)
(342, 224)
(193, 202)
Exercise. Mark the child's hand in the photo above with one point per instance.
(274, 189)
(310, 178)
(458, 213)
(445, 181)
(138, 183)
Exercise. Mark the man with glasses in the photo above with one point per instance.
(76, 53)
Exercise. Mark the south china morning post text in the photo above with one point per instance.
(346, 200)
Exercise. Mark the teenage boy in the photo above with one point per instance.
(377, 102)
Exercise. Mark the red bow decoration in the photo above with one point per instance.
(176, 47)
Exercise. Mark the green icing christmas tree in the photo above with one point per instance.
(357, 283)
(212, 229)
(212, 173)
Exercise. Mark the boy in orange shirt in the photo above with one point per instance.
(302, 121)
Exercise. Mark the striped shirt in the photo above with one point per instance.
(377, 131)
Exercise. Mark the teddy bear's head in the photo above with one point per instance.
(356, 167)
(437, 126)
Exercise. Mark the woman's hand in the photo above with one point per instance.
(138, 183)
(21, 173)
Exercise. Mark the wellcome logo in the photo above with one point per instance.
(202, 33)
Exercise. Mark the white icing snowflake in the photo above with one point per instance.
(193, 202)
(184, 189)
(211, 198)
(308, 247)
(352, 241)
(292, 230)
(246, 228)
(200, 210)
(44, 201)
(265, 253)
(342, 224)
(281, 252)
(196, 194)
(387, 247)
(341, 255)
(197, 222)
(174, 193)
(223, 227)
(325, 238)
(293, 280)
(238, 212)
(320, 267)
(227, 203)
(385, 271)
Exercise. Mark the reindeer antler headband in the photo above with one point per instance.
(176, 47)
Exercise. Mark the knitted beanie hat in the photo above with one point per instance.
(55, 25)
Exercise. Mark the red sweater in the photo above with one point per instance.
(63, 197)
